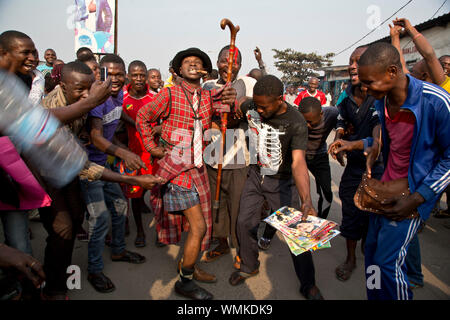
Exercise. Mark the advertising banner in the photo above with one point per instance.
(94, 25)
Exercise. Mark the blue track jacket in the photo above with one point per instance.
(429, 162)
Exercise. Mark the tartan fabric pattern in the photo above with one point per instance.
(178, 128)
(177, 198)
(170, 226)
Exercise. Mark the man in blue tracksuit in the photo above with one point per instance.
(415, 124)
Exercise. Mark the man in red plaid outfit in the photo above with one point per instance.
(186, 111)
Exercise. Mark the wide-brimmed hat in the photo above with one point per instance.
(196, 52)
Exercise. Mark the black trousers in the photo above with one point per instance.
(277, 193)
(319, 166)
(61, 221)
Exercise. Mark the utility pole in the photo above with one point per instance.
(116, 6)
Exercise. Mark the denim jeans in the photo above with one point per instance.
(104, 200)
(15, 228)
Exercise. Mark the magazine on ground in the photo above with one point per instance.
(312, 234)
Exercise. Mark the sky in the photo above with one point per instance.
(154, 31)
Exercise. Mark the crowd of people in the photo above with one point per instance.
(141, 133)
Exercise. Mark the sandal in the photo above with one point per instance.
(413, 285)
(158, 243)
(344, 271)
(237, 263)
(239, 277)
(442, 214)
(101, 283)
(140, 241)
(128, 256)
(214, 254)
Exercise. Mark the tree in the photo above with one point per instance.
(297, 67)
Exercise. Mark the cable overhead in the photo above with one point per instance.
(373, 30)
(428, 19)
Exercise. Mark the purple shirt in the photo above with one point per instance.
(400, 129)
(110, 112)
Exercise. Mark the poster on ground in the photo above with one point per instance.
(94, 25)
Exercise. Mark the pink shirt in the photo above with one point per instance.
(400, 129)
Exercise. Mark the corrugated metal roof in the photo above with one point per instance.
(436, 22)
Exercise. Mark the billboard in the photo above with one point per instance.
(94, 25)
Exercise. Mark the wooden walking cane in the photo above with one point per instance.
(223, 126)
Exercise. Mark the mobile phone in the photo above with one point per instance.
(103, 73)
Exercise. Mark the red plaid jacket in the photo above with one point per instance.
(178, 124)
(179, 116)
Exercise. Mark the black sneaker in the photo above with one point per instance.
(264, 243)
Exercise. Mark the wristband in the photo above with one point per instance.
(416, 36)
(367, 142)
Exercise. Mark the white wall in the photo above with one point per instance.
(439, 38)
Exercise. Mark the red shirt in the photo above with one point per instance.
(319, 95)
(400, 129)
(131, 107)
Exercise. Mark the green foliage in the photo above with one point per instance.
(297, 67)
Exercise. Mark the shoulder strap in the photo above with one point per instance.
(210, 99)
(168, 107)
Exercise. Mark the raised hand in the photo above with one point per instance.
(258, 55)
(100, 92)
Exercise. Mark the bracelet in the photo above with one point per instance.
(416, 36)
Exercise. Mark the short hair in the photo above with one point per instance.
(84, 51)
(255, 73)
(382, 54)
(269, 86)
(152, 70)
(444, 56)
(364, 46)
(227, 48)
(74, 66)
(50, 49)
(8, 37)
(309, 104)
(136, 63)
(86, 58)
(112, 58)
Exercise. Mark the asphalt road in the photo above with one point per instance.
(155, 279)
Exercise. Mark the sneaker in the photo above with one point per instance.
(264, 243)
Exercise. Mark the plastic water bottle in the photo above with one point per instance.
(52, 150)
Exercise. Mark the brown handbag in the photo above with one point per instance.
(372, 192)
